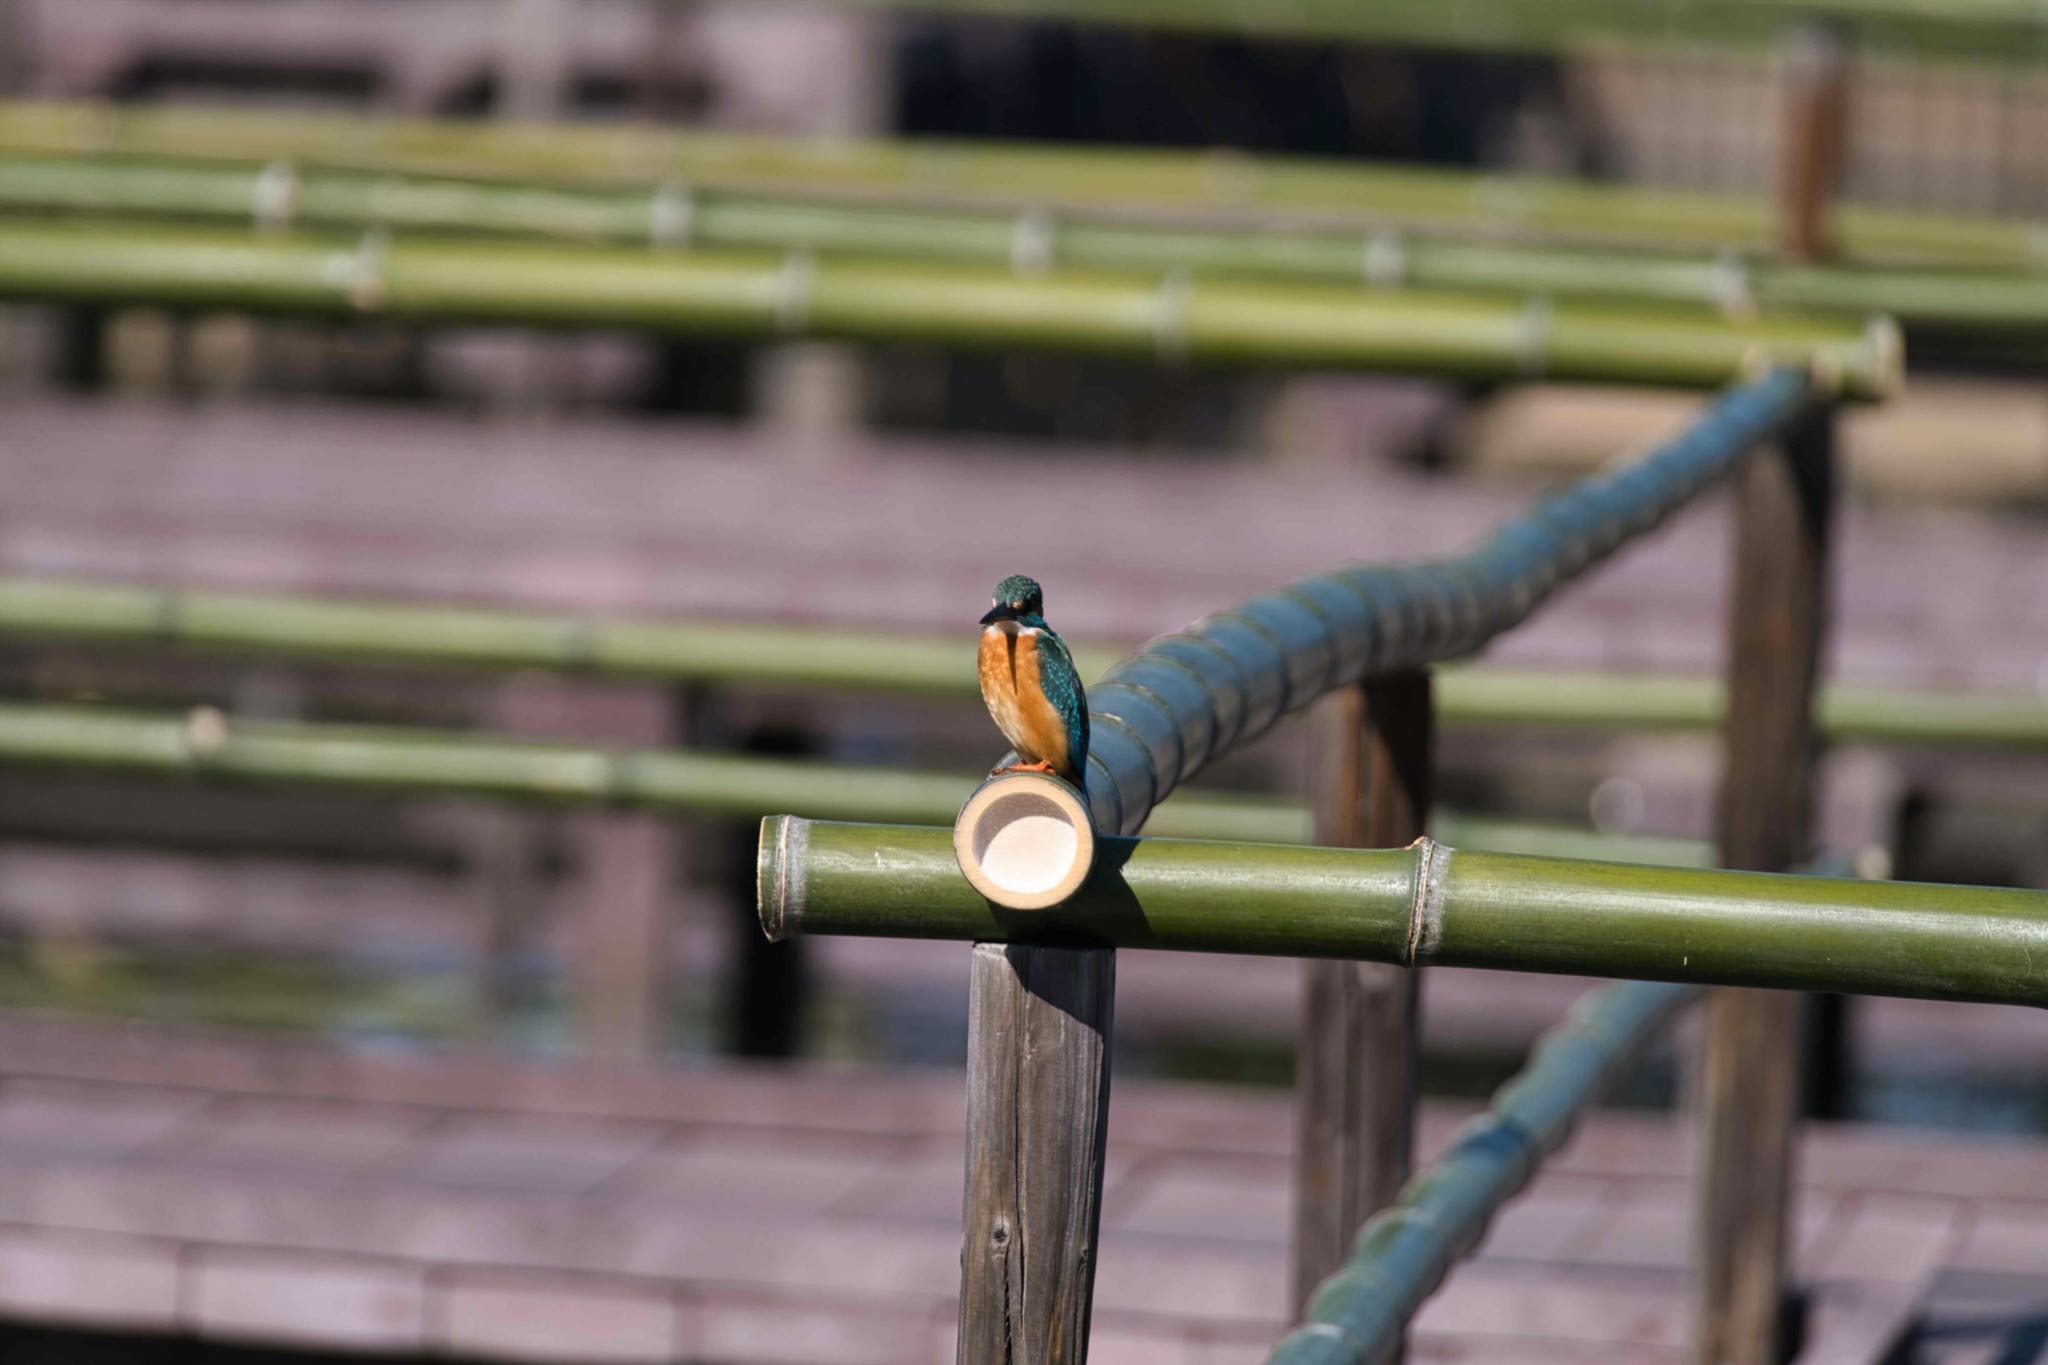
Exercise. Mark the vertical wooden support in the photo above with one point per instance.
(1750, 1073)
(1037, 1119)
(16, 49)
(1750, 1069)
(1816, 155)
(1816, 147)
(1359, 1050)
(617, 907)
(533, 63)
(501, 854)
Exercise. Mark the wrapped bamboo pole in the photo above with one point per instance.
(274, 196)
(1156, 719)
(1175, 320)
(1358, 1314)
(1195, 188)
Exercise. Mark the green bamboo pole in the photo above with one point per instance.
(1430, 905)
(1975, 30)
(1050, 179)
(1176, 319)
(204, 745)
(272, 197)
(739, 654)
(1358, 1314)
(351, 630)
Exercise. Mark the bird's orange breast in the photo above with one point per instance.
(1008, 665)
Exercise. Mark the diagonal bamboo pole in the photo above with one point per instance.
(1358, 1314)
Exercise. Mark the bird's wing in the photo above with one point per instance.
(1062, 684)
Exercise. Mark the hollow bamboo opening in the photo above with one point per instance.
(1024, 840)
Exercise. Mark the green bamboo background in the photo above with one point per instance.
(204, 745)
(1976, 30)
(1027, 241)
(744, 654)
(1216, 187)
(797, 295)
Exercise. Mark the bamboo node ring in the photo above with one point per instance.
(204, 731)
(671, 215)
(1170, 317)
(274, 196)
(1426, 909)
(1032, 241)
(1734, 293)
(1532, 335)
(793, 288)
(1385, 260)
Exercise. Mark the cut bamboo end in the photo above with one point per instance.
(1025, 840)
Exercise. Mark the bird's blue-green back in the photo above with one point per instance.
(1062, 684)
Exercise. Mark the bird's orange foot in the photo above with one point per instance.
(1041, 766)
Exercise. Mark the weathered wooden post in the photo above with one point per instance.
(1749, 1081)
(1749, 1077)
(618, 902)
(1359, 1049)
(1038, 1029)
(1037, 1119)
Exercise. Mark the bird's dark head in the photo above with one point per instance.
(1016, 598)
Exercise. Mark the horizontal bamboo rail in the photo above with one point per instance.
(1176, 319)
(274, 196)
(1051, 180)
(1400, 1257)
(206, 746)
(1431, 905)
(295, 628)
(1991, 30)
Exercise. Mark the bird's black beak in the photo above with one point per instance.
(999, 612)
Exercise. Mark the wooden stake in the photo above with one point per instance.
(618, 909)
(1749, 1081)
(1037, 1118)
(1816, 143)
(1358, 1056)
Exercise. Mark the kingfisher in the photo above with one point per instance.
(1030, 686)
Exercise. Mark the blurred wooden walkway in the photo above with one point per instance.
(239, 1192)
